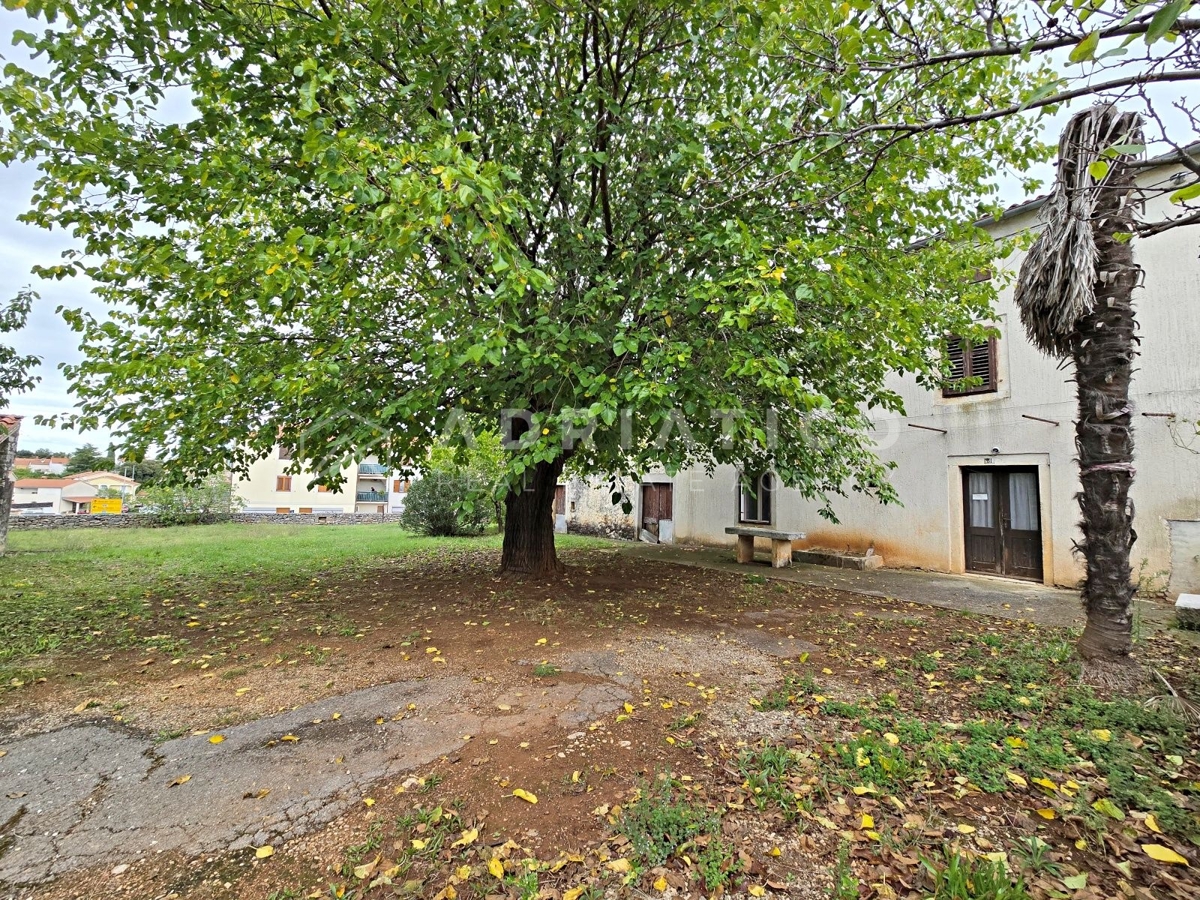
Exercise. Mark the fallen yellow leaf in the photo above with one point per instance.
(660, 885)
(891, 739)
(1046, 813)
(418, 844)
(756, 890)
(216, 739)
(1016, 779)
(264, 852)
(868, 821)
(1102, 734)
(1152, 824)
(620, 865)
(966, 829)
(1164, 855)
(574, 893)
(184, 779)
(463, 873)
(496, 867)
(468, 837)
(525, 795)
(369, 801)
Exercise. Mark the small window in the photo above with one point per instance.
(396, 485)
(322, 489)
(285, 452)
(967, 360)
(306, 510)
(282, 510)
(283, 483)
(755, 500)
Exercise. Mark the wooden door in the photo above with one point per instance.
(560, 500)
(656, 506)
(1021, 525)
(1002, 519)
(981, 512)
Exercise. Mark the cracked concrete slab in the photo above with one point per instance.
(93, 793)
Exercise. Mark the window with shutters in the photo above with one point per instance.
(755, 500)
(970, 361)
(285, 452)
(283, 483)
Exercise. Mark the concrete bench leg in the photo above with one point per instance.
(745, 548)
(781, 554)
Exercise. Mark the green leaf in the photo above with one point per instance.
(1098, 169)
(1086, 48)
(1106, 807)
(1076, 882)
(1164, 19)
(1188, 192)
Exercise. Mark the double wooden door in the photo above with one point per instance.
(1003, 521)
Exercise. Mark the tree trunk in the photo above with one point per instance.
(8, 456)
(1103, 349)
(529, 523)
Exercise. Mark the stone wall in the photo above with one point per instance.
(590, 510)
(141, 520)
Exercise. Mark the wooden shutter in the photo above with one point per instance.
(283, 483)
(970, 361)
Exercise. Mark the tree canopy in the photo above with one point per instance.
(385, 211)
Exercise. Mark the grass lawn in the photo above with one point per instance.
(98, 588)
(745, 737)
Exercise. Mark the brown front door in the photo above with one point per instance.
(1003, 521)
(560, 500)
(656, 506)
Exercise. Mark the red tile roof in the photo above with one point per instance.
(43, 482)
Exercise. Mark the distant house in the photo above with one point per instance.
(273, 487)
(127, 487)
(50, 465)
(52, 496)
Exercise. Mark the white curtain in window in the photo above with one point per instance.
(979, 484)
(1023, 501)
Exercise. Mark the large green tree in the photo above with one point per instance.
(387, 212)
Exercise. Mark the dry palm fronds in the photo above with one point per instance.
(1056, 283)
(1185, 709)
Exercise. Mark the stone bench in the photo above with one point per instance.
(781, 543)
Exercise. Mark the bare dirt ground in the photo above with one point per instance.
(364, 736)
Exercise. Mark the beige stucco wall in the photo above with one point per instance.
(258, 490)
(926, 530)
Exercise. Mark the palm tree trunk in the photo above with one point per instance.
(1103, 348)
(529, 523)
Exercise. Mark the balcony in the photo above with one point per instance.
(370, 497)
(372, 469)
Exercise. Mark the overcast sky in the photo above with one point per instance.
(46, 335)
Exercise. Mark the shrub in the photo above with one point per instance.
(201, 502)
(438, 505)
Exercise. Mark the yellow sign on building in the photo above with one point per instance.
(106, 505)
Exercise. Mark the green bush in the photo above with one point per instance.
(439, 505)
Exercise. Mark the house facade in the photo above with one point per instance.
(52, 496)
(109, 483)
(273, 486)
(52, 465)
(987, 478)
